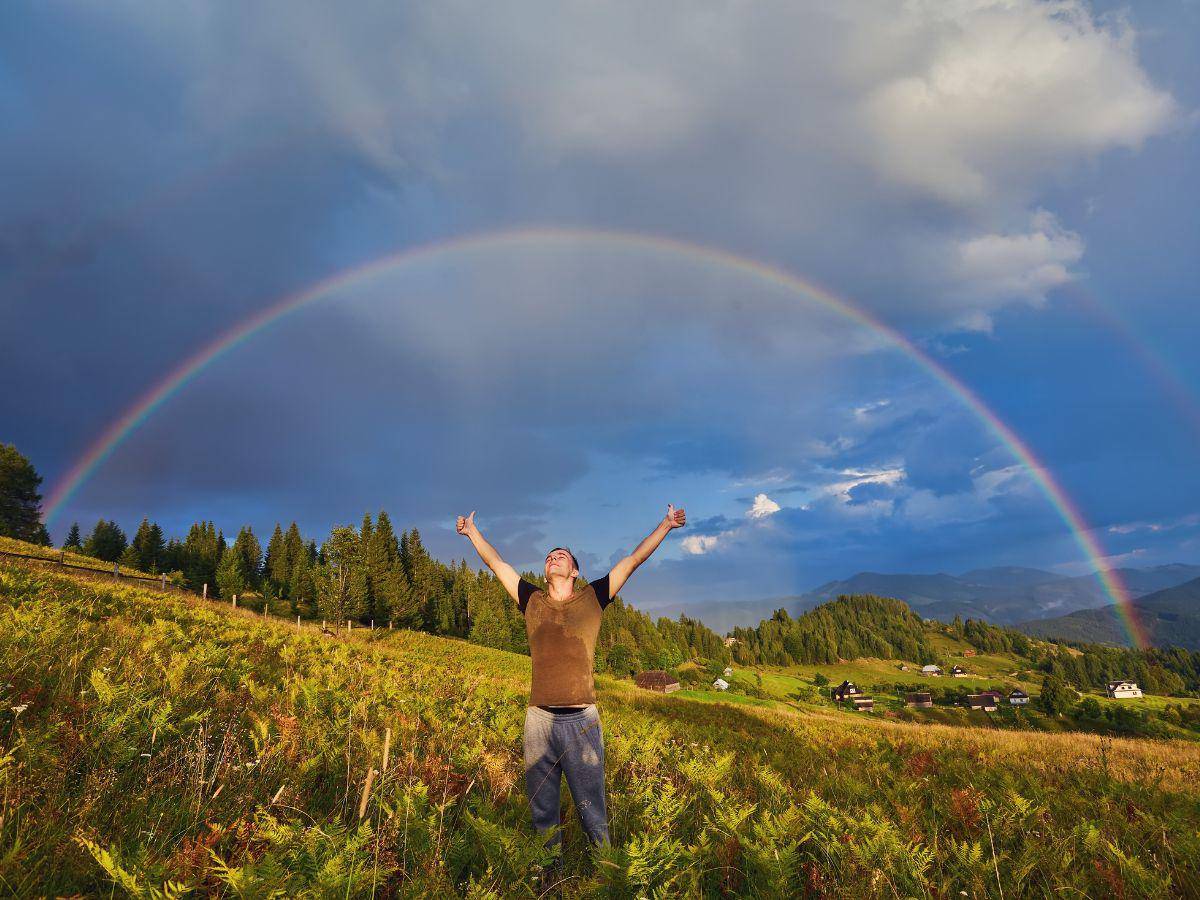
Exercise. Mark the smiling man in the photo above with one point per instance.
(562, 725)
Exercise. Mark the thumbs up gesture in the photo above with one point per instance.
(466, 524)
(675, 518)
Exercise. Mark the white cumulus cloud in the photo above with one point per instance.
(763, 507)
(699, 544)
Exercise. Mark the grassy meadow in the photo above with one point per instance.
(52, 554)
(164, 746)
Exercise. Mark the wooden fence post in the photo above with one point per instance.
(389, 624)
(164, 582)
(235, 601)
(372, 624)
(117, 571)
(62, 557)
(206, 590)
(297, 623)
(349, 624)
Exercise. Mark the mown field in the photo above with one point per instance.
(159, 746)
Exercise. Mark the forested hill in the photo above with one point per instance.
(1169, 617)
(845, 628)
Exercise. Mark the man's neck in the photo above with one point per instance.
(560, 587)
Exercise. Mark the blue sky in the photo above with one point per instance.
(1010, 185)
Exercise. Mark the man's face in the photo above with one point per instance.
(558, 562)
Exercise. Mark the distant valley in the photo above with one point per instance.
(1006, 595)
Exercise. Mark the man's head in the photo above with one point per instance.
(561, 561)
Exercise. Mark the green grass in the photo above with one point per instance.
(10, 545)
(162, 744)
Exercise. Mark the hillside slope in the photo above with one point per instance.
(1170, 617)
(1004, 595)
(160, 739)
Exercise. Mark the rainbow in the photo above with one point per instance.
(1173, 384)
(145, 406)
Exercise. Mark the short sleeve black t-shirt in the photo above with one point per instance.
(526, 588)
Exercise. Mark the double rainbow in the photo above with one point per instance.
(120, 429)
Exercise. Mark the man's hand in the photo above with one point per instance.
(675, 518)
(466, 524)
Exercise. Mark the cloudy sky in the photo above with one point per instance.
(1011, 185)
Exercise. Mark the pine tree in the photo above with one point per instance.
(302, 586)
(20, 502)
(200, 555)
(423, 581)
(147, 547)
(73, 541)
(363, 586)
(276, 565)
(335, 578)
(249, 557)
(382, 556)
(129, 558)
(230, 578)
(1055, 697)
(294, 554)
(107, 541)
(488, 626)
(173, 556)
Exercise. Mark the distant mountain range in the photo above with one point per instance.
(1007, 595)
(1170, 616)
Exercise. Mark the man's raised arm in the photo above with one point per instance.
(620, 573)
(507, 574)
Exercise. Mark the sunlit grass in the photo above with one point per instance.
(164, 743)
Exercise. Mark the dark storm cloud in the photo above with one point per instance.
(172, 170)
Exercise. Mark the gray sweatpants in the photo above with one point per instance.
(570, 744)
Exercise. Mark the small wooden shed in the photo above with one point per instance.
(657, 680)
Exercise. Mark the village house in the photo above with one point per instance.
(657, 680)
(728, 671)
(721, 684)
(862, 703)
(920, 699)
(931, 670)
(959, 672)
(903, 667)
(968, 652)
(730, 641)
(995, 695)
(1124, 689)
(1018, 697)
(845, 691)
(986, 702)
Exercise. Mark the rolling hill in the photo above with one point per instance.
(1170, 617)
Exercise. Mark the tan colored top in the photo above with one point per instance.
(562, 642)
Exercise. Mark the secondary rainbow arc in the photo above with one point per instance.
(153, 398)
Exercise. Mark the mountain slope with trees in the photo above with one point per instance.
(1169, 617)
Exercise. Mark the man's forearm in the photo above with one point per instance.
(650, 543)
(486, 551)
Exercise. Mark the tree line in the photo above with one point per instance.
(369, 574)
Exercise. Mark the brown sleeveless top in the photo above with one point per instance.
(562, 642)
